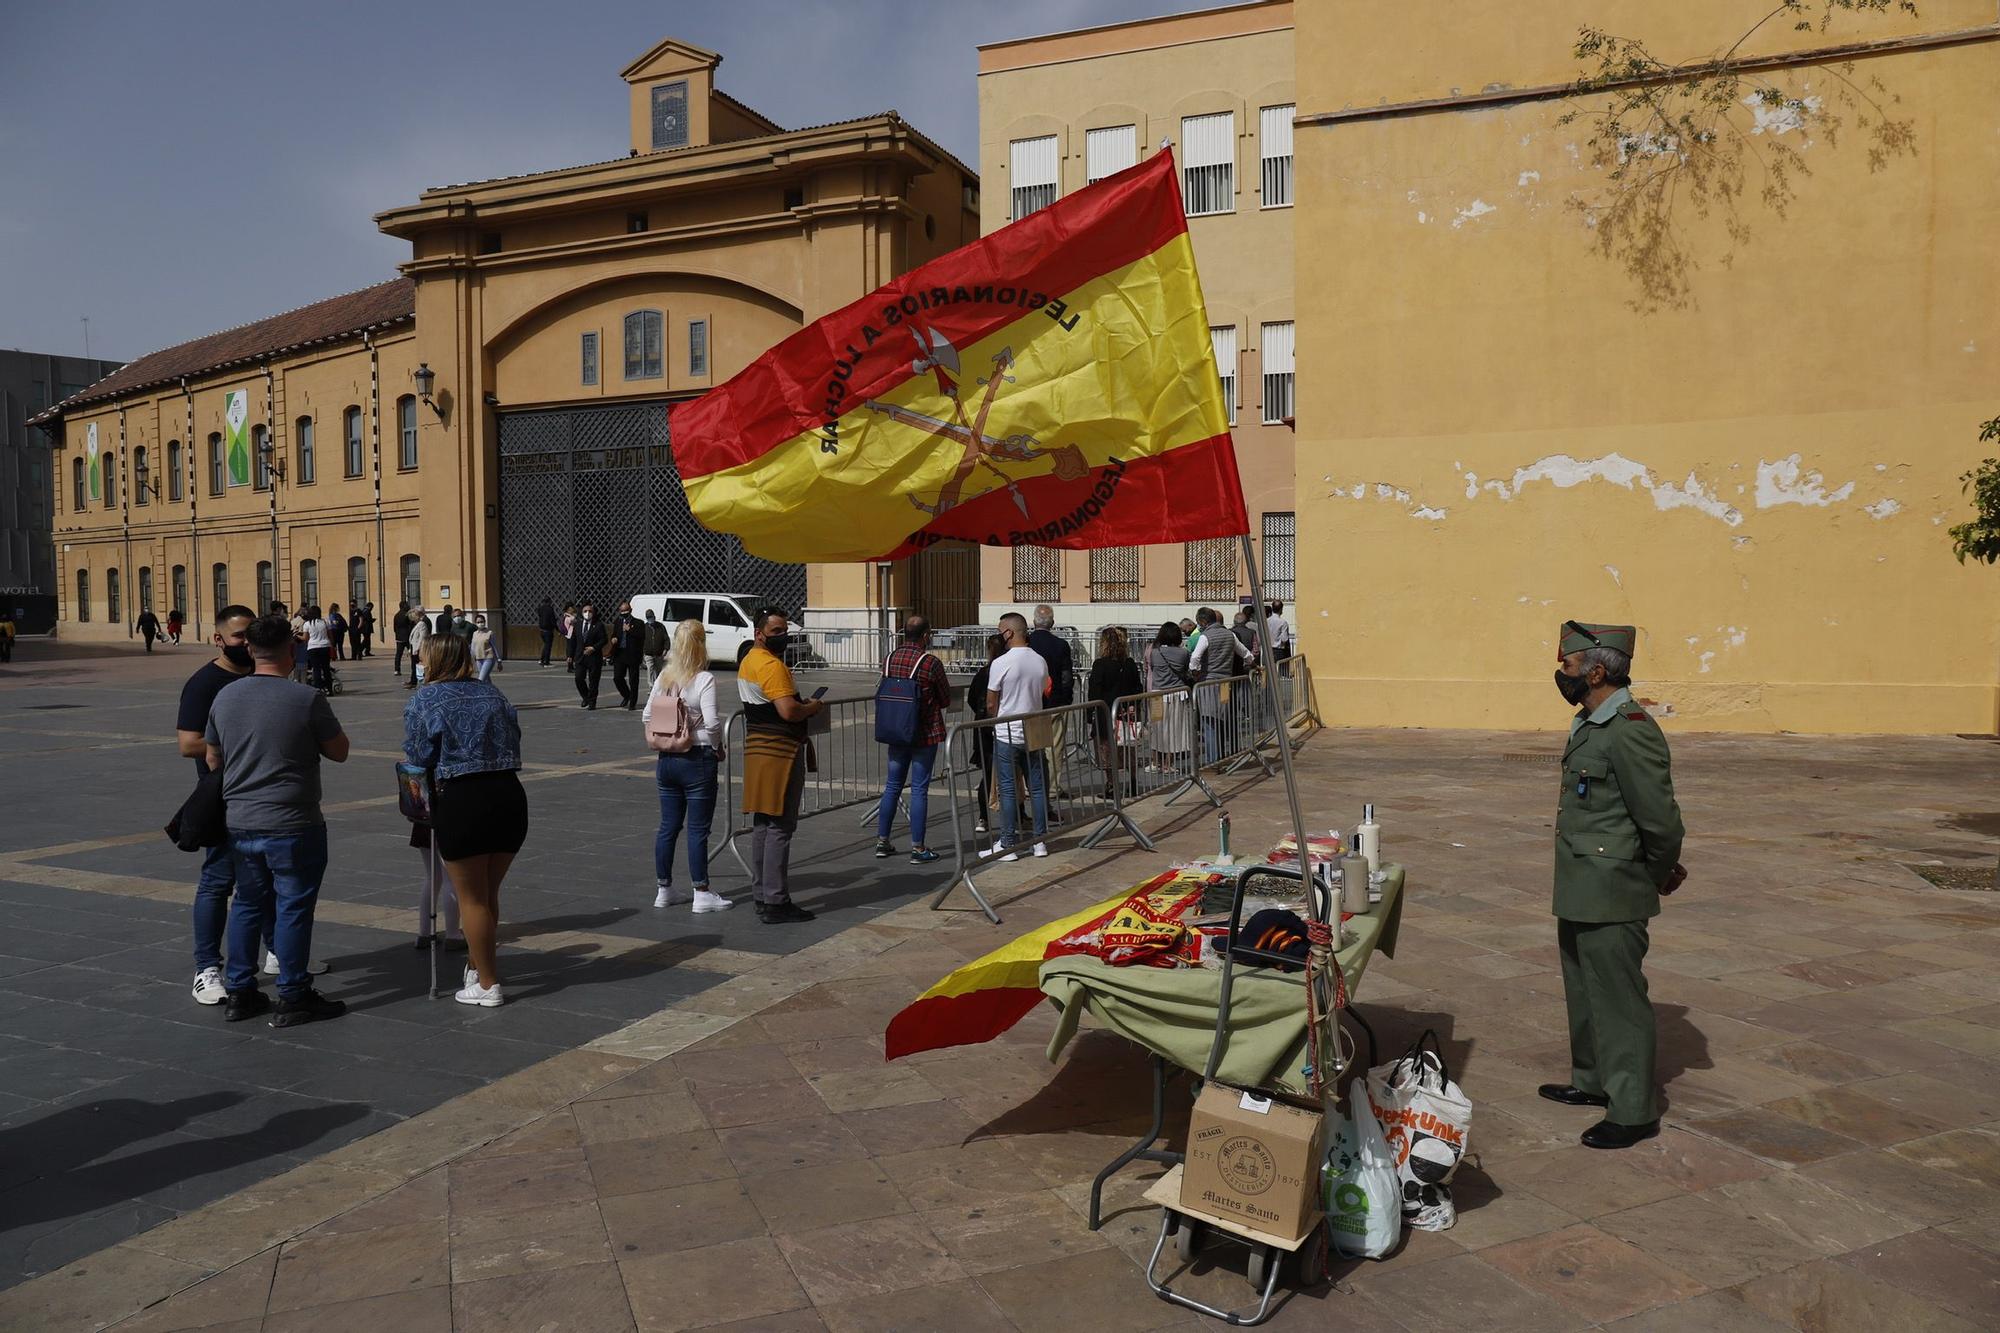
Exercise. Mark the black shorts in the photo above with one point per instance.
(479, 814)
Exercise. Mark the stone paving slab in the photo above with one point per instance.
(742, 1158)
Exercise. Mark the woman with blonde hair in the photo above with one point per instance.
(684, 724)
(466, 733)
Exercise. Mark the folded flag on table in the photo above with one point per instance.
(1038, 387)
(992, 993)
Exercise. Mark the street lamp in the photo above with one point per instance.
(144, 485)
(426, 379)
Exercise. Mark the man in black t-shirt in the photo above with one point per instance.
(218, 868)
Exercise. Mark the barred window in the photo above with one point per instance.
(179, 581)
(216, 476)
(302, 436)
(1275, 124)
(1276, 348)
(267, 587)
(1032, 166)
(406, 431)
(218, 582)
(1281, 557)
(351, 429)
(259, 438)
(1223, 340)
(590, 357)
(76, 480)
(139, 469)
(1114, 574)
(1208, 163)
(112, 611)
(175, 481)
(357, 581)
(1107, 152)
(413, 580)
(697, 348)
(83, 595)
(1037, 574)
(308, 583)
(1211, 570)
(145, 587)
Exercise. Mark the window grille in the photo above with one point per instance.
(216, 476)
(145, 587)
(259, 437)
(1208, 163)
(142, 494)
(1276, 349)
(1114, 574)
(1032, 168)
(413, 580)
(112, 611)
(83, 595)
(1280, 557)
(357, 581)
(1037, 574)
(302, 434)
(1224, 342)
(643, 359)
(1211, 570)
(267, 587)
(179, 581)
(77, 481)
(1275, 124)
(308, 583)
(590, 357)
(218, 582)
(1109, 151)
(698, 348)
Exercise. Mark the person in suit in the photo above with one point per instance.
(1054, 649)
(627, 649)
(586, 649)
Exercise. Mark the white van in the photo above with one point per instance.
(726, 616)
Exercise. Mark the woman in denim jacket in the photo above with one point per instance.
(469, 737)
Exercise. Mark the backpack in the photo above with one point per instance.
(670, 730)
(899, 707)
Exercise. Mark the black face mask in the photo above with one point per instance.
(1573, 688)
(238, 655)
(777, 643)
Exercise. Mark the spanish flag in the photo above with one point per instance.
(1052, 384)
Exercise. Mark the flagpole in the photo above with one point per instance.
(1321, 1046)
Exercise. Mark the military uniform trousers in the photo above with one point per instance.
(1611, 1030)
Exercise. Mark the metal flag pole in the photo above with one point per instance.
(1324, 935)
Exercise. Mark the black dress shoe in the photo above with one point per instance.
(1571, 1095)
(1606, 1134)
(783, 914)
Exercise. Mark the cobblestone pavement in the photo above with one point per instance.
(738, 1156)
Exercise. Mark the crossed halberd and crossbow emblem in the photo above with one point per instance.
(936, 355)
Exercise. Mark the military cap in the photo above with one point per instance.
(1578, 635)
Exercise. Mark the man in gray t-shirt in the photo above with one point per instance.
(268, 734)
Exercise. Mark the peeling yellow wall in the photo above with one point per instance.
(1491, 439)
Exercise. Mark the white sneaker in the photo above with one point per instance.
(1001, 851)
(486, 997)
(314, 967)
(1041, 849)
(208, 987)
(667, 896)
(704, 901)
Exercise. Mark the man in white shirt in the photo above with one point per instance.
(1017, 683)
(1278, 631)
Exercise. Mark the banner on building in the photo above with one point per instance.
(1052, 384)
(91, 461)
(236, 442)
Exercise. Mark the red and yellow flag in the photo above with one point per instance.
(1052, 384)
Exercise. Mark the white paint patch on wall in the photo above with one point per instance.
(1528, 178)
(1780, 483)
(1473, 211)
(1707, 659)
(1425, 511)
(1881, 509)
(1780, 117)
(1616, 577)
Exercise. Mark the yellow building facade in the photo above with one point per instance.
(1497, 430)
(556, 316)
(1059, 111)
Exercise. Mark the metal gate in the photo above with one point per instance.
(591, 506)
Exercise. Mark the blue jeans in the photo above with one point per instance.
(485, 668)
(211, 906)
(1010, 757)
(687, 795)
(277, 888)
(911, 764)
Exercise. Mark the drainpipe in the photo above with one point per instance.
(125, 520)
(271, 478)
(375, 416)
(194, 523)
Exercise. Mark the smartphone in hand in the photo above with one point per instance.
(820, 693)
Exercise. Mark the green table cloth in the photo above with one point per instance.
(1171, 1011)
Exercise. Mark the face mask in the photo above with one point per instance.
(588, 616)
(777, 643)
(1573, 688)
(238, 655)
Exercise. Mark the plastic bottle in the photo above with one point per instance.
(1354, 883)
(1368, 838)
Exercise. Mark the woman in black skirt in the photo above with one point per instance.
(467, 734)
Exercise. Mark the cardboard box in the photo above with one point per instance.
(1253, 1161)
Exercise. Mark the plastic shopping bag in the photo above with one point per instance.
(1427, 1120)
(1364, 1216)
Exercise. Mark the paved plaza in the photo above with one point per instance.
(684, 1122)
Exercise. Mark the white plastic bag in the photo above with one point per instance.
(1427, 1120)
(1364, 1216)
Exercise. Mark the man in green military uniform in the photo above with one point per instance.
(1618, 846)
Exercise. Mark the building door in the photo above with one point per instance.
(591, 507)
(943, 583)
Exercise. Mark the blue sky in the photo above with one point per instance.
(177, 168)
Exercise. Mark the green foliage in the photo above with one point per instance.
(1980, 539)
(1675, 141)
